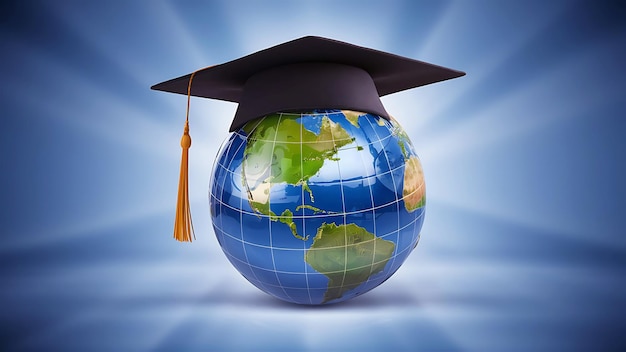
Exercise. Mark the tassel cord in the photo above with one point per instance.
(183, 225)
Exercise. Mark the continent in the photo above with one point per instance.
(279, 150)
(414, 188)
(348, 255)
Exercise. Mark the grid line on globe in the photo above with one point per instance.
(303, 203)
(269, 204)
(319, 216)
(324, 210)
(397, 200)
(293, 249)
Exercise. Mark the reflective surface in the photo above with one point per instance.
(318, 207)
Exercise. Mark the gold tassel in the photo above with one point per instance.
(183, 227)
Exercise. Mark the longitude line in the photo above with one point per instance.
(343, 208)
(306, 269)
(269, 206)
(221, 204)
(373, 205)
(395, 193)
(241, 228)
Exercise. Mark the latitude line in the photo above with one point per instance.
(354, 212)
(400, 253)
(298, 249)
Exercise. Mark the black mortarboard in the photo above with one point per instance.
(305, 74)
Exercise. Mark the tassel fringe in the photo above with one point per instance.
(183, 227)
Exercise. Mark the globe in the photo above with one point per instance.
(317, 207)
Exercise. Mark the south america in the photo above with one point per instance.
(348, 255)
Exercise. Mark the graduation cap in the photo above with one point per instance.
(300, 75)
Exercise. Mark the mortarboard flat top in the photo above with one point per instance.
(308, 73)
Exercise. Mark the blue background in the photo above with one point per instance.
(522, 248)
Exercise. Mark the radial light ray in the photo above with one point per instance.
(437, 34)
(308, 18)
(158, 18)
(521, 247)
(179, 31)
(481, 64)
(119, 121)
(503, 119)
(89, 226)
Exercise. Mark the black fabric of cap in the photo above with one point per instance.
(309, 73)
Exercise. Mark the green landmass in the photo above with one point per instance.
(310, 207)
(348, 255)
(287, 218)
(279, 150)
(421, 203)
